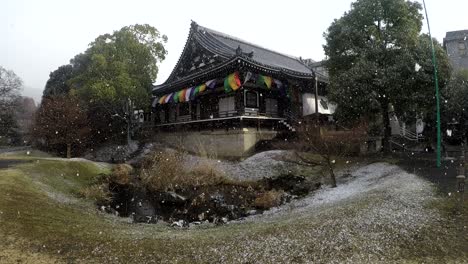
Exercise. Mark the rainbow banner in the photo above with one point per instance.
(168, 98)
(278, 84)
(232, 82)
(211, 84)
(162, 100)
(182, 95)
(175, 98)
(193, 92)
(267, 80)
(188, 92)
(201, 88)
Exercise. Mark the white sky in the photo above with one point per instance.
(39, 36)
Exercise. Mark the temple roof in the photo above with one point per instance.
(228, 45)
(208, 52)
(456, 35)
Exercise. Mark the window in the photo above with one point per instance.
(461, 48)
(227, 106)
(162, 116)
(324, 104)
(184, 109)
(271, 107)
(251, 99)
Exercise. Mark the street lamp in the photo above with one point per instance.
(434, 62)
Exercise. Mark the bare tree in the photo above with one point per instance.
(61, 120)
(10, 88)
(313, 148)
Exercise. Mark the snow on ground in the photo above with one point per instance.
(373, 216)
(364, 182)
(262, 165)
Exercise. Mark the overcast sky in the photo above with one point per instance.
(39, 36)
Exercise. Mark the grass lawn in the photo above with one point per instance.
(43, 221)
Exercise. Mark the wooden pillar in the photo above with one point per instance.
(68, 151)
(316, 101)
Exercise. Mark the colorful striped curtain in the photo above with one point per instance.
(267, 80)
(162, 100)
(169, 97)
(188, 91)
(232, 82)
(193, 92)
(201, 88)
(182, 95)
(211, 84)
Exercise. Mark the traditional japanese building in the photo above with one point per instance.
(456, 45)
(225, 94)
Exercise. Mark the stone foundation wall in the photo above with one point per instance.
(217, 143)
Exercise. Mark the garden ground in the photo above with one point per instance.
(378, 213)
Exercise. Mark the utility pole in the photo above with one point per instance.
(434, 62)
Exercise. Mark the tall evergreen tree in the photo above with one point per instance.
(378, 59)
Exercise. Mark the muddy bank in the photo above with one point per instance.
(9, 163)
(213, 203)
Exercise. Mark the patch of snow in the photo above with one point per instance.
(366, 219)
(262, 165)
(377, 177)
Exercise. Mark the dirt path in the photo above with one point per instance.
(444, 177)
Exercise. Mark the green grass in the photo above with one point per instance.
(64, 176)
(25, 154)
(78, 233)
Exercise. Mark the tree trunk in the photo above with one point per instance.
(128, 133)
(332, 174)
(68, 151)
(387, 128)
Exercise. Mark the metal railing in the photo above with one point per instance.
(410, 135)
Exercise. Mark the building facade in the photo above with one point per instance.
(456, 45)
(228, 94)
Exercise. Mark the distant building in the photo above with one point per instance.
(456, 45)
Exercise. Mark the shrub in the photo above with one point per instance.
(121, 174)
(207, 174)
(269, 199)
(166, 171)
(163, 171)
(97, 192)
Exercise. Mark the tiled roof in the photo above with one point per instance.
(227, 45)
(456, 35)
(231, 50)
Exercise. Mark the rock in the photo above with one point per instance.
(252, 212)
(220, 221)
(113, 153)
(172, 198)
(286, 198)
(196, 223)
(201, 216)
(144, 212)
(181, 223)
(217, 198)
(295, 185)
(151, 219)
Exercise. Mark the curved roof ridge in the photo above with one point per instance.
(180, 57)
(224, 35)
